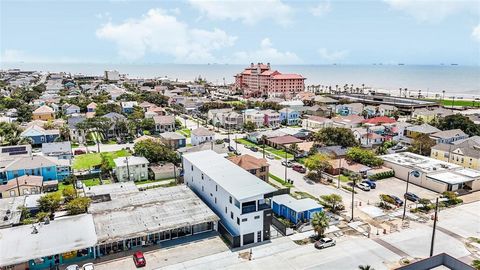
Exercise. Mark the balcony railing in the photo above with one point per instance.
(263, 206)
(249, 209)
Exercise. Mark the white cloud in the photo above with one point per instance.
(266, 53)
(433, 10)
(321, 8)
(476, 33)
(161, 33)
(332, 56)
(248, 12)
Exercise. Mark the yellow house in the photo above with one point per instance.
(413, 131)
(44, 113)
(465, 153)
(427, 115)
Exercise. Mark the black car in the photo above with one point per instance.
(397, 200)
(226, 140)
(411, 197)
(231, 149)
(254, 149)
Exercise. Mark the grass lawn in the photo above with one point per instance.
(185, 132)
(151, 181)
(457, 102)
(88, 161)
(277, 152)
(344, 178)
(91, 182)
(279, 180)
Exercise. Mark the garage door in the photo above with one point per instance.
(248, 238)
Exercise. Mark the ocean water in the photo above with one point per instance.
(454, 80)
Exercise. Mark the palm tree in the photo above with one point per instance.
(264, 139)
(293, 149)
(365, 267)
(320, 223)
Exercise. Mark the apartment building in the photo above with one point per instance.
(465, 153)
(239, 198)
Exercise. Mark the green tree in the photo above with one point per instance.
(476, 264)
(105, 108)
(50, 202)
(69, 193)
(365, 267)
(320, 223)
(10, 134)
(332, 201)
(422, 144)
(78, 205)
(293, 149)
(318, 163)
(459, 121)
(364, 156)
(249, 126)
(154, 152)
(335, 136)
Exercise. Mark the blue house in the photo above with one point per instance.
(349, 109)
(289, 116)
(50, 168)
(39, 135)
(295, 210)
(127, 107)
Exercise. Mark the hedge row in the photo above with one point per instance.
(382, 175)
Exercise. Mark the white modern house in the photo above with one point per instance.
(131, 168)
(240, 199)
(201, 135)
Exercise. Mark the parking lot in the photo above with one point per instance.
(393, 186)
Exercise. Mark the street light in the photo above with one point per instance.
(286, 163)
(416, 174)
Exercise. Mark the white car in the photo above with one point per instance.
(73, 267)
(88, 266)
(270, 156)
(363, 186)
(324, 243)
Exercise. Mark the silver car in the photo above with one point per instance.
(324, 243)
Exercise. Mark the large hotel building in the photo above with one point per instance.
(259, 80)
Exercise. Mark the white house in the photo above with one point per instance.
(201, 135)
(131, 168)
(316, 122)
(240, 199)
(254, 116)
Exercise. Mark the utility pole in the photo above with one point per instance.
(286, 163)
(128, 168)
(434, 227)
(416, 174)
(353, 194)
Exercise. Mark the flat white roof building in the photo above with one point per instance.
(240, 199)
(435, 174)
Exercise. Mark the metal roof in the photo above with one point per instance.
(296, 205)
(235, 180)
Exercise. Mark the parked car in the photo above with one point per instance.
(73, 267)
(397, 200)
(226, 140)
(299, 168)
(139, 259)
(363, 186)
(231, 149)
(79, 152)
(88, 266)
(370, 183)
(254, 149)
(324, 243)
(287, 163)
(270, 156)
(411, 197)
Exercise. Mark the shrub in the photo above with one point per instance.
(78, 205)
(348, 188)
(382, 175)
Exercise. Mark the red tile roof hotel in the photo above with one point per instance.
(259, 80)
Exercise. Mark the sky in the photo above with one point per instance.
(417, 32)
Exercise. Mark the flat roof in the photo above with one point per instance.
(145, 212)
(112, 189)
(235, 180)
(451, 178)
(77, 232)
(297, 205)
(418, 162)
(11, 205)
(132, 160)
